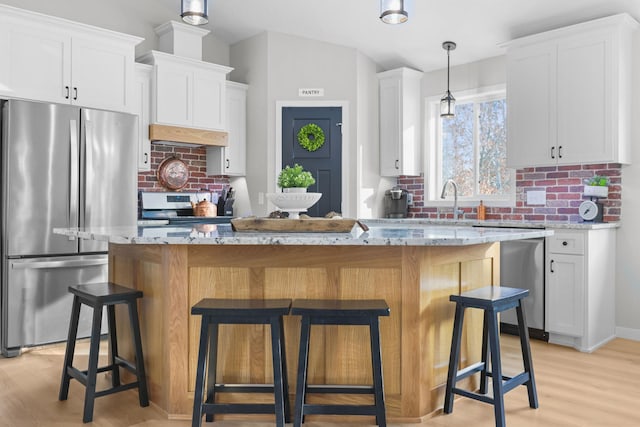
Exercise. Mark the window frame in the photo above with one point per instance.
(433, 151)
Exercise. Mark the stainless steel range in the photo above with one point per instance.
(176, 208)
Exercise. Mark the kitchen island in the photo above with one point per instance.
(413, 267)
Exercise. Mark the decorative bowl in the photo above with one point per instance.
(294, 203)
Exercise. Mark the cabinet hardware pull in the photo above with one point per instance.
(565, 243)
(397, 164)
(146, 158)
(560, 151)
(67, 94)
(227, 160)
(552, 152)
(551, 267)
(75, 93)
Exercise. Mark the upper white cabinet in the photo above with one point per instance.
(400, 122)
(580, 287)
(142, 99)
(568, 94)
(187, 92)
(232, 160)
(55, 60)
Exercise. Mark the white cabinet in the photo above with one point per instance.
(568, 94)
(54, 60)
(142, 99)
(399, 92)
(580, 287)
(187, 92)
(232, 160)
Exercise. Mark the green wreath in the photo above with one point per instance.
(311, 137)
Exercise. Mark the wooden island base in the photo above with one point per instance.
(416, 282)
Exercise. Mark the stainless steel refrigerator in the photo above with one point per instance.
(61, 166)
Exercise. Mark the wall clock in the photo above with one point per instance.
(173, 173)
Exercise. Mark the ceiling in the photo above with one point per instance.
(477, 26)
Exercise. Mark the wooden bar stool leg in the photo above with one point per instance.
(113, 345)
(210, 381)
(485, 354)
(376, 362)
(496, 368)
(303, 359)
(71, 348)
(143, 394)
(196, 419)
(526, 356)
(278, 387)
(92, 370)
(454, 358)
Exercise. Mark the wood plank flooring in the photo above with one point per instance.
(575, 389)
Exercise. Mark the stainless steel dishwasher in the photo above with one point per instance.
(522, 266)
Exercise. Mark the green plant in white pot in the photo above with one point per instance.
(295, 179)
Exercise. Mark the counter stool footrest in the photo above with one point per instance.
(238, 408)
(116, 389)
(244, 388)
(470, 370)
(514, 382)
(339, 389)
(476, 396)
(77, 374)
(339, 409)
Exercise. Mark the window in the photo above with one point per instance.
(471, 149)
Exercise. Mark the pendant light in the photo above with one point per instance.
(194, 12)
(393, 12)
(448, 102)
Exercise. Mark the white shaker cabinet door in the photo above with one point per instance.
(142, 99)
(173, 100)
(208, 100)
(531, 103)
(566, 294)
(102, 74)
(26, 53)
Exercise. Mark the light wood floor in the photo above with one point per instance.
(601, 389)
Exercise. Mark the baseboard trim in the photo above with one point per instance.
(628, 333)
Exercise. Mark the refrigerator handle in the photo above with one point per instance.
(58, 264)
(88, 169)
(73, 174)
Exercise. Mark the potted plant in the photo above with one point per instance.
(295, 179)
(597, 186)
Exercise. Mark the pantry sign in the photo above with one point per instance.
(307, 92)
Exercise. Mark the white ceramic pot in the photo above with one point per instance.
(294, 190)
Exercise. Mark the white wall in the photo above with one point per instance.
(627, 266)
(290, 63)
(107, 14)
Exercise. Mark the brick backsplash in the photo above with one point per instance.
(194, 157)
(563, 184)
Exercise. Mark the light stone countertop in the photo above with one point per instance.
(555, 225)
(386, 233)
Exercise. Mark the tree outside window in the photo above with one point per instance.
(472, 149)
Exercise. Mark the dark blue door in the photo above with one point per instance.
(325, 162)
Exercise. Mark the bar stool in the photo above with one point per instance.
(493, 300)
(97, 296)
(340, 312)
(216, 312)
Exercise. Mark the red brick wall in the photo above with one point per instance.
(195, 158)
(564, 186)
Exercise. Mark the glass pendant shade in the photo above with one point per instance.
(447, 105)
(194, 12)
(448, 102)
(393, 12)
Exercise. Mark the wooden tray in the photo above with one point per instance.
(284, 225)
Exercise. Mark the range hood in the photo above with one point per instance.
(189, 101)
(176, 135)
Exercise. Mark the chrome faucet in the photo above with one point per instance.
(456, 212)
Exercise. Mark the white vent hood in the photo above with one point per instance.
(188, 104)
